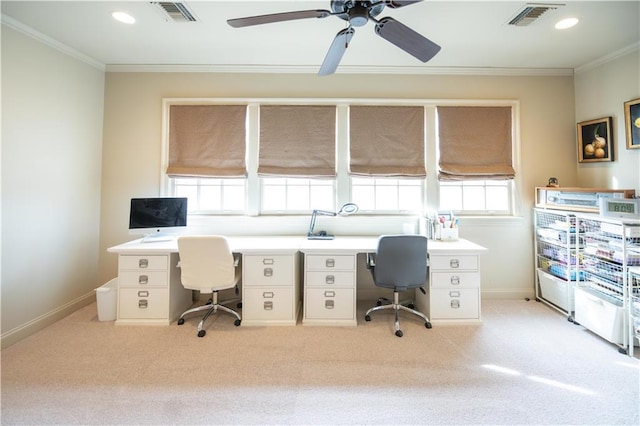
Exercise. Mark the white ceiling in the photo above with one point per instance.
(474, 35)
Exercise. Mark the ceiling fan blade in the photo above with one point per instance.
(336, 51)
(277, 17)
(394, 4)
(406, 39)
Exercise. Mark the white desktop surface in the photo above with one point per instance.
(288, 244)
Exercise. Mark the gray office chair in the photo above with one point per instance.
(400, 263)
(207, 265)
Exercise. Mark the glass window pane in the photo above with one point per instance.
(473, 198)
(297, 198)
(409, 198)
(386, 198)
(450, 198)
(234, 198)
(210, 198)
(321, 198)
(274, 197)
(363, 196)
(497, 198)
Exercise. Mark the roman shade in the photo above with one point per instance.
(386, 141)
(207, 140)
(475, 143)
(297, 140)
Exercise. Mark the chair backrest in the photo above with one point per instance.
(401, 261)
(206, 263)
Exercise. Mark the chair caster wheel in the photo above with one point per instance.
(239, 305)
(378, 303)
(209, 302)
(237, 322)
(399, 333)
(180, 321)
(367, 318)
(201, 333)
(411, 306)
(428, 324)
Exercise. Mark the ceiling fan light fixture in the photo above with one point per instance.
(358, 15)
(123, 17)
(566, 23)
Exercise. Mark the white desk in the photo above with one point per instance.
(150, 291)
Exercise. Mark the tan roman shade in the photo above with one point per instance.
(386, 141)
(475, 143)
(207, 140)
(297, 140)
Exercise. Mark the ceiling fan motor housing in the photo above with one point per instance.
(357, 13)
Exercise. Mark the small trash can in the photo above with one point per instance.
(107, 300)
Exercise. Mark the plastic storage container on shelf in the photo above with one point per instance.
(107, 300)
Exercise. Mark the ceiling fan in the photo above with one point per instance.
(356, 14)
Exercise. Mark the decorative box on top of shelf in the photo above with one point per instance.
(577, 199)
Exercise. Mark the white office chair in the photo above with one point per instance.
(207, 265)
(400, 263)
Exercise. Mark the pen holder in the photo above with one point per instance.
(448, 234)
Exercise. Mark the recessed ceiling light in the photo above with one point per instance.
(566, 23)
(123, 17)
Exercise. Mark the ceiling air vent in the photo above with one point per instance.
(531, 12)
(174, 12)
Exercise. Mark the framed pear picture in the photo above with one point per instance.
(595, 140)
(632, 123)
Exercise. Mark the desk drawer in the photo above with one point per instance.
(329, 262)
(143, 303)
(329, 303)
(143, 278)
(454, 262)
(453, 280)
(330, 279)
(455, 304)
(158, 262)
(267, 304)
(267, 270)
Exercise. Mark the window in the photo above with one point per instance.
(476, 196)
(387, 194)
(211, 195)
(297, 195)
(294, 175)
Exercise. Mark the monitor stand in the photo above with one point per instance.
(158, 237)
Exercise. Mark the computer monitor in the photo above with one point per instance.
(157, 218)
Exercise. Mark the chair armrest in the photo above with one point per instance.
(371, 260)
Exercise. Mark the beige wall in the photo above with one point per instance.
(133, 121)
(52, 110)
(601, 92)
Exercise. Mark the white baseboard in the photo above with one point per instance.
(25, 330)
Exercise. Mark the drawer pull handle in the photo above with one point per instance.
(330, 263)
(329, 304)
(454, 263)
(143, 263)
(268, 272)
(143, 303)
(455, 280)
(454, 294)
(143, 279)
(330, 279)
(267, 295)
(455, 304)
(329, 294)
(143, 293)
(267, 261)
(268, 306)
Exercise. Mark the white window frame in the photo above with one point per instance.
(431, 185)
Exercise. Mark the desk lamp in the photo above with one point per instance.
(345, 210)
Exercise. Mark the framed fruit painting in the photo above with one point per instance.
(594, 140)
(632, 123)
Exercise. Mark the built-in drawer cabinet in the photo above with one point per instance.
(149, 290)
(453, 293)
(271, 289)
(330, 290)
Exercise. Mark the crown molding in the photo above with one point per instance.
(37, 35)
(345, 69)
(608, 58)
